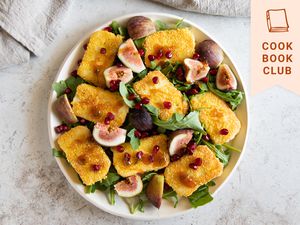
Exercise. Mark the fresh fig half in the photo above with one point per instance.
(178, 140)
(129, 187)
(139, 27)
(225, 79)
(155, 190)
(123, 74)
(64, 110)
(195, 70)
(130, 57)
(109, 136)
(210, 52)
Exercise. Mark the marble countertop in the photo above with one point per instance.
(265, 189)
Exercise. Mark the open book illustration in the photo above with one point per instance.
(277, 20)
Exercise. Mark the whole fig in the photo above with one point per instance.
(139, 27)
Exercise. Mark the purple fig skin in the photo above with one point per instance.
(64, 110)
(139, 27)
(155, 190)
(210, 52)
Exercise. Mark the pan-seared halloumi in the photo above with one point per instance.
(180, 42)
(94, 62)
(134, 165)
(158, 93)
(185, 180)
(93, 103)
(84, 154)
(215, 116)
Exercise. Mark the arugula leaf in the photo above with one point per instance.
(200, 197)
(111, 196)
(139, 42)
(122, 31)
(161, 25)
(197, 137)
(125, 93)
(58, 153)
(180, 122)
(179, 23)
(147, 177)
(59, 87)
(171, 195)
(115, 27)
(223, 156)
(134, 206)
(90, 189)
(72, 83)
(211, 183)
(142, 74)
(134, 141)
(111, 179)
(229, 147)
(152, 65)
(153, 111)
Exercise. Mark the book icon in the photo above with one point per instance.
(277, 20)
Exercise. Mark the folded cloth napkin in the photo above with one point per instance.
(28, 26)
(215, 7)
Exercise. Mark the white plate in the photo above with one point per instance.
(120, 208)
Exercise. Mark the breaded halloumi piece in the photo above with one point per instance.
(83, 153)
(161, 158)
(185, 180)
(180, 42)
(94, 63)
(93, 103)
(216, 115)
(158, 93)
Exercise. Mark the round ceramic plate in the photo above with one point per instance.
(120, 208)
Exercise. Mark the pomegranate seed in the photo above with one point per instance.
(138, 106)
(65, 127)
(151, 158)
(151, 57)
(114, 85)
(109, 29)
(96, 167)
(167, 105)
(198, 161)
(190, 151)
(139, 154)
(131, 96)
(205, 79)
(206, 137)
(145, 101)
(179, 74)
(155, 149)
(169, 55)
(137, 134)
(120, 148)
(74, 73)
(193, 166)
(155, 80)
(192, 91)
(192, 145)
(103, 50)
(58, 129)
(175, 157)
(82, 121)
(127, 158)
(196, 56)
(106, 121)
(110, 116)
(79, 62)
(119, 64)
(141, 52)
(159, 54)
(68, 91)
(85, 46)
(144, 134)
(224, 131)
(213, 72)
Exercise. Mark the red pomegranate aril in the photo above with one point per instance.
(68, 91)
(109, 29)
(82, 121)
(179, 74)
(74, 73)
(145, 101)
(198, 162)
(58, 129)
(151, 158)
(159, 54)
(131, 96)
(193, 166)
(103, 50)
(114, 85)
(110, 116)
(138, 105)
(206, 137)
(65, 127)
(196, 56)
(141, 52)
(120, 148)
(144, 134)
(155, 80)
(224, 131)
(106, 121)
(85, 46)
(175, 157)
(119, 64)
(213, 72)
(205, 79)
(79, 62)
(127, 157)
(137, 134)
(167, 105)
(169, 55)
(96, 167)
(192, 91)
(190, 151)
(155, 149)
(139, 154)
(151, 57)
(192, 145)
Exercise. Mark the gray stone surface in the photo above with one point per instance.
(263, 190)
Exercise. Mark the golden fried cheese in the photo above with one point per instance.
(216, 115)
(94, 62)
(163, 91)
(185, 180)
(130, 166)
(180, 42)
(84, 154)
(93, 103)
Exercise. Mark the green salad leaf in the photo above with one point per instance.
(58, 153)
(139, 42)
(111, 196)
(147, 177)
(172, 196)
(134, 141)
(223, 156)
(125, 93)
(136, 205)
(59, 87)
(161, 25)
(200, 197)
(72, 83)
(90, 189)
(154, 111)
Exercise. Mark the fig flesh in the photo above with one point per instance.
(155, 190)
(210, 52)
(109, 136)
(123, 74)
(64, 110)
(195, 70)
(130, 57)
(141, 119)
(129, 187)
(139, 27)
(179, 140)
(225, 79)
